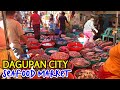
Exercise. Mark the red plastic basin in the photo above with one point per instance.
(51, 46)
(35, 46)
(74, 46)
(33, 40)
(78, 70)
(30, 36)
(70, 76)
(64, 57)
(33, 52)
(22, 43)
(70, 64)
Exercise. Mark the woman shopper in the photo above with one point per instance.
(35, 20)
(56, 21)
(51, 23)
(89, 29)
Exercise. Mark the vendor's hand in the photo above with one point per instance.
(93, 33)
(96, 31)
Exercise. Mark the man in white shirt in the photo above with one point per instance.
(88, 29)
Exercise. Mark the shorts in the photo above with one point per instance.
(89, 34)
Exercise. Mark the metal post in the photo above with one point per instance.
(116, 28)
(6, 37)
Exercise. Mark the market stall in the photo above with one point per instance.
(83, 58)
